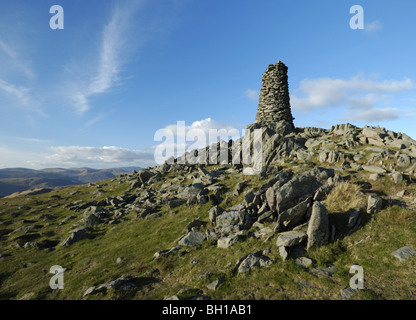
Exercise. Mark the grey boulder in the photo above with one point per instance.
(252, 261)
(374, 204)
(290, 238)
(404, 253)
(318, 227)
(192, 239)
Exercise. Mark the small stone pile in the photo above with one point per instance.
(274, 101)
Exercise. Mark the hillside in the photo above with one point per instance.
(80, 229)
(21, 179)
(314, 203)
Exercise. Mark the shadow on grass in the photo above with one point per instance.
(4, 294)
(340, 221)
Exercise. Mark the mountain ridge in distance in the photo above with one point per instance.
(22, 179)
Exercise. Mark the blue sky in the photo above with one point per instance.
(95, 93)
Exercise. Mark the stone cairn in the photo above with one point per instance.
(274, 104)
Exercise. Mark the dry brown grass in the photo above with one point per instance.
(344, 197)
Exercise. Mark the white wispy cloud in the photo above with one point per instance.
(328, 92)
(35, 140)
(23, 98)
(204, 126)
(13, 58)
(373, 27)
(96, 119)
(22, 94)
(373, 114)
(98, 156)
(362, 98)
(112, 56)
(182, 138)
(251, 94)
(11, 157)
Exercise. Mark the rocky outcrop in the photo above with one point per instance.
(298, 189)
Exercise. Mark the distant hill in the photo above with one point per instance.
(21, 179)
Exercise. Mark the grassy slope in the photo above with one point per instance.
(25, 272)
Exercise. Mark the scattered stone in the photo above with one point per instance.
(318, 228)
(283, 253)
(194, 225)
(123, 283)
(214, 212)
(267, 251)
(74, 237)
(401, 194)
(359, 242)
(94, 215)
(290, 238)
(226, 242)
(249, 197)
(374, 169)
(192, 239)
(153, 216)
(252, 261)
(404, 253)
(165, 253)
(239, 188)
(31, 244)
(352, 219)
(263, 232)
(375, 176)
(27, 296)
(374, 204)
(198, 186)
(306, 284)
(404, 161)
(212, 235)
(233, 221)
(173, 203)
(304, 262)
(324, 272)
(206, 275)
(265, 217)
(144, 175)
(135, 184)
(215, 284)
(397, 177)
(347, 293)
(294, 216)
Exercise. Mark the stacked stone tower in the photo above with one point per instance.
(274, 101)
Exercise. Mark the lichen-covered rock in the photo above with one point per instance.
(374, 204)
(295, 216)
(252, 261)
(192, 239)
(318, 227)
(74, 237)
(233, 221)
(298, 189)
(290, 238)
